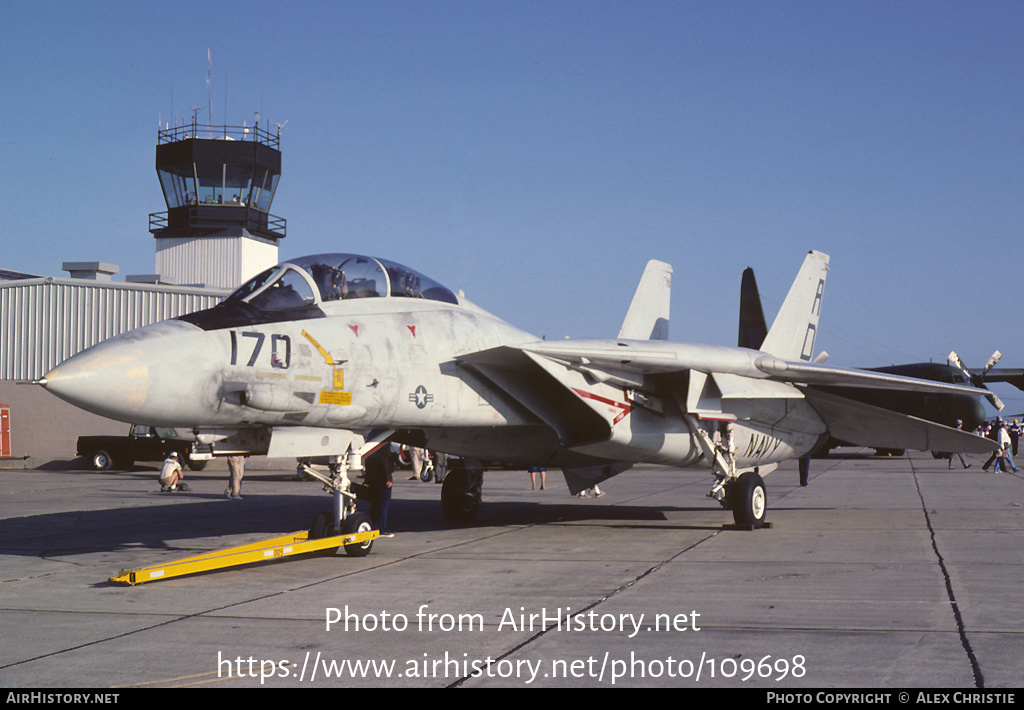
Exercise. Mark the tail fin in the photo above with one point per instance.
(647, 318)
(752, 326)
(792, 334)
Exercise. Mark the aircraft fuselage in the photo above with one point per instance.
(364, 364)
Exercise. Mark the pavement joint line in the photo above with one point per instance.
(651, 570)
(979, 678)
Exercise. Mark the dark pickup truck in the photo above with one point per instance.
(143, 443)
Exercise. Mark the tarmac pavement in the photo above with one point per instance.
(883, 573)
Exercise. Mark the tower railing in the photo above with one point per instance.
(199, 217)
(238, 133)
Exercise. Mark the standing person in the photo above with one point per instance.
(959, 425)
(171, 474)
(417, 454)
(378, 477)
(236, 468)
(1005, 444)
(534, 470)
(805, 469)
(993, 434)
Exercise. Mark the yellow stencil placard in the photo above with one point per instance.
(332, 397)
(339, 379)
(326, 355)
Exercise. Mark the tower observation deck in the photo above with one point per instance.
(218, 183)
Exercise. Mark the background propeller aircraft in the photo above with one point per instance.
(336, 354)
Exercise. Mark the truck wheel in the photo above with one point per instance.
(102, 461)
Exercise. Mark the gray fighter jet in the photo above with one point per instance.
(336, 354)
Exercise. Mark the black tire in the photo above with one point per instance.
(102, 461)
(459, 497)
(749, 500)
(323, 526)
(356, 523)
(197, 465)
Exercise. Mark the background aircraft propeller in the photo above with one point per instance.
(978, 379)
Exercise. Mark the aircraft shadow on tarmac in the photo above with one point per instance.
(215, 522)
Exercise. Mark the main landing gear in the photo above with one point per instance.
(743, 493)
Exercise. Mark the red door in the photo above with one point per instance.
(5, 430)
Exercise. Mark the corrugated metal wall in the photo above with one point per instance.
(45, 321)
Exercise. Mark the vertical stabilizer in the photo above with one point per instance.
(647, 318)
(792, 334)
(752, 324)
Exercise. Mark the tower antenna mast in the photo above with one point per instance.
(209, 94)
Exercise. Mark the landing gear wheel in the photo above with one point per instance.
(323, 526)
(426, 473)
(460, 495)
(749, 500)
(102, 461)
(357, 523)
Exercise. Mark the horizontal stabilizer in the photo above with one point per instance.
(865, 425)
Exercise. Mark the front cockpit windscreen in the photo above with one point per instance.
(278, 288)
(336, 277)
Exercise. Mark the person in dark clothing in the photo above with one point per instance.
(959, 425)
(993, 434)
(378, 477)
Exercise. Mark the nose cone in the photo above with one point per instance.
(140, 376)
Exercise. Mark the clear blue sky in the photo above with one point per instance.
(537, 154)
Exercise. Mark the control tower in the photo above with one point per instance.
(218, 183)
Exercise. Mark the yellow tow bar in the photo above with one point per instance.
(275, 548)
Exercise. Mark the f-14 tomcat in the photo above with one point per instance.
(333, 355)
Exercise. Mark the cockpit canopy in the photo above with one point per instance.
(335, 277)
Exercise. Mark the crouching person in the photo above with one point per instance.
(171, 474)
